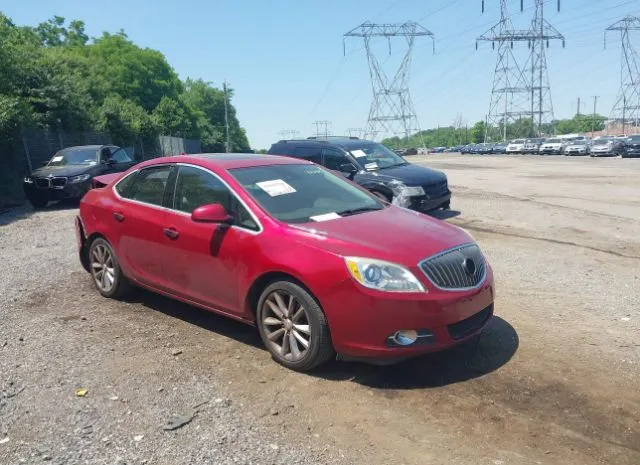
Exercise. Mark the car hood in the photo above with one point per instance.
(69, 170)
(393, 234)
(410, 174)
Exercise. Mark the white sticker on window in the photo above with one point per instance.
(326, 217)
(371, 166)
(275, 187)
(55, 159)
(358, 153)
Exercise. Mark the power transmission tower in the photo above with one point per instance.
(627, 106)
(356, 132)
(288, 134)
(325, 132)
(541, 33)
(392, 112)
(511, 87)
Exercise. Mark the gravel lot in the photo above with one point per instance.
(553, 380)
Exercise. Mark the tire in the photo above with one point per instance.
(381, 196)
(38, 202)
(446, 206)
(290, 327)
(101, 255)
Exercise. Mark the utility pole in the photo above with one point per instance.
(578, 107)
(627, 105)
(226, 119)
(593, 117)
(392, 112)
(288, 134)
(355, 132)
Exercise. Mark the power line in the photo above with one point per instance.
(322, 124)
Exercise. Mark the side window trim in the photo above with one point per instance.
(233, 193)
(136, 172)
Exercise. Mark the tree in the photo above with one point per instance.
(173, 117)
(478, 131)
(124, 120)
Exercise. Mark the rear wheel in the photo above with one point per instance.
(293, 326)
(105, 270)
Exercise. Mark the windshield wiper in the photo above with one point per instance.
(355, 211)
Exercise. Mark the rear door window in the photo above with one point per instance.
(149, 185)
(312, 153)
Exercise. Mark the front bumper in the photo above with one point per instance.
(549, 150)
(427, 203)
(361, 320)
(69, 191)
(602, 153)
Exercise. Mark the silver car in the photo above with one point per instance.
(577, 147)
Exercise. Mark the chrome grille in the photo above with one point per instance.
(58, 182)
(42, 183)
(463, 267)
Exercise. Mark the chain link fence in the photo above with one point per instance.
(34, 146)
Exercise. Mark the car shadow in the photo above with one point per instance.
(204, 319)
(15, 213)
(495, 346)
(486, 353)
(444, 214)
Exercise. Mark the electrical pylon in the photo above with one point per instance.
(626, 110)
(541, 33)
(510, 94)
(392, 112)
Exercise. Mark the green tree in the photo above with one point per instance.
(478, 131)
(124, 120)
(173, 117)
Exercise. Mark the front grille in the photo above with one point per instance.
(436, 190)
(470, 325)
(58, 182)
(459, 268)
(42, 183)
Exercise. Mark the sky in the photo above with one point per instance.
(286, 62)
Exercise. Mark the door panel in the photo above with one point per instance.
(140, 218)
(205, 261)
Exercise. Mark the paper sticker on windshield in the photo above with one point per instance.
(275, 187)
(325, 217)
(371, 166)
(58, 158)
(358, 153)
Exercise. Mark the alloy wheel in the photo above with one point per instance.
(286, 325)
(102, 267)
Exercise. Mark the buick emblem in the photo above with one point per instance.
(469, 266)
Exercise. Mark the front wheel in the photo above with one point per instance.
(38, 202)
(105, 270)
(293, 327)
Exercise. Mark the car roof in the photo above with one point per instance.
(86, 147)
(345, 141)
(227, 161)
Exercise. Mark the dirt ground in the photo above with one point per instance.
(555, 378)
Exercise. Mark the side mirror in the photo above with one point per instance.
(211, 213)
(348, 168)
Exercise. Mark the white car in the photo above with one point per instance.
(577, 147)
(555, 146)
(516, 146)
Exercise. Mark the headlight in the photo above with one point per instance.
(28, 180)
(80, 178)
(383, 276)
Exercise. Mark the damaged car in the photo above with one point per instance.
(376, 168)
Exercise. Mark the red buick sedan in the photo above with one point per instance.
(319, 265)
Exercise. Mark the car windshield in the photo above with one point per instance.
(303, 193)
(376, 155)
(554, 141)
(579, 142)
(518, 141)
(74, 157)
(602, 141)
(634, 139)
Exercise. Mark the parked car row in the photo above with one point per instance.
(604, 146)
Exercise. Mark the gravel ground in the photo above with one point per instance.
(554, 378)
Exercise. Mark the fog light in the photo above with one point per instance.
(405, 337)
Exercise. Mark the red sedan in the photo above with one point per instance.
(319, 265)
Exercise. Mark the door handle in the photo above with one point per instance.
(119, 217)
(171, 233)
